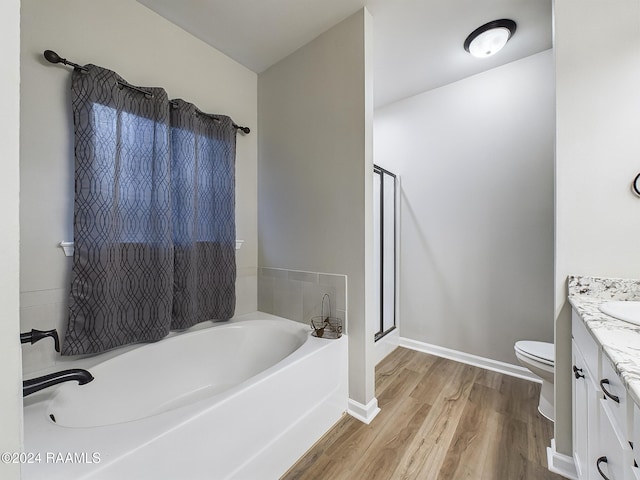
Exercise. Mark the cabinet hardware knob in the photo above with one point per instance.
(613, 397)
(578, 372)
(598, 462)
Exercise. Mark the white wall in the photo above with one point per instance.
(476, 162)
(597, 48)
(145, 49)
(10, 362)
(315, 172)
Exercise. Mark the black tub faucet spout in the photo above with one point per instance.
(36, 384)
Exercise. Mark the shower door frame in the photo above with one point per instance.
(381, 332)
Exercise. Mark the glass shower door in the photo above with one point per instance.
(384, 247)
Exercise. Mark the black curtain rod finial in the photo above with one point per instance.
(245, 130)
(53, 57)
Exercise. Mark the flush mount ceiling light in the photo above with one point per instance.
(489, 38)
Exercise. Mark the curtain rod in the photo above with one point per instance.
(53, 57)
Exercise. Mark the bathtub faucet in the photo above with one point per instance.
(36, 384)
(35, 335)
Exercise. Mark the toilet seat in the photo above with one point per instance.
(542, 352)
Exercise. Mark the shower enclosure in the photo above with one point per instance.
(384, 249)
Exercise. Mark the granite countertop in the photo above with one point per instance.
(620, 341)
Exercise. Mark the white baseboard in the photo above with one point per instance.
(560, 463)
(486, 363)
(364, 413)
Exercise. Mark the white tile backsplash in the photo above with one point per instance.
(41, 310)
(43, 297)
(287, 299)
(265, 293)
(307, 277)
(312, 295)
(246, 291)
(273, 272)
(297, 295)
(339, 282)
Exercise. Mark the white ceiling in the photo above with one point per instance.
(417, 43)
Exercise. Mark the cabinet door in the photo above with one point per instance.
(635, 433)
(612, 459)
(580, 414)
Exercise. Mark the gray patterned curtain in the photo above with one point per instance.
(203, 188)
(154, 221)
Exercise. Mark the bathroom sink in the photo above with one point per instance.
(629, 311)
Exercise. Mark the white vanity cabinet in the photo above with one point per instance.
(604, 420)
(585, 399)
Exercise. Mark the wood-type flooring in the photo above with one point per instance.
(440, 420)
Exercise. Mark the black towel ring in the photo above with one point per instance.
(635, 186)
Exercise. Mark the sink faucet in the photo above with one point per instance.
(35, 335)
(37, 384)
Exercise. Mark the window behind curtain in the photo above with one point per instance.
(130, 188)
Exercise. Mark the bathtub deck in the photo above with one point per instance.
(440, 420)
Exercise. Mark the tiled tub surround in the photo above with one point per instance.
(620, 341)
(47, 309)
(42, 310)
(297, 295)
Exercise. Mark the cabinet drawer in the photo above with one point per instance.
(585, 342)
(615, 398)
(612, 455)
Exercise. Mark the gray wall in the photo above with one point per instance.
(315, 171)
(145, 49)
(597, 48)
(10, 369)
(475, 160)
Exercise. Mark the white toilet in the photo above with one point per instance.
(539, 358)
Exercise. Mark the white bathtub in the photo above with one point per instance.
(242, 400)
